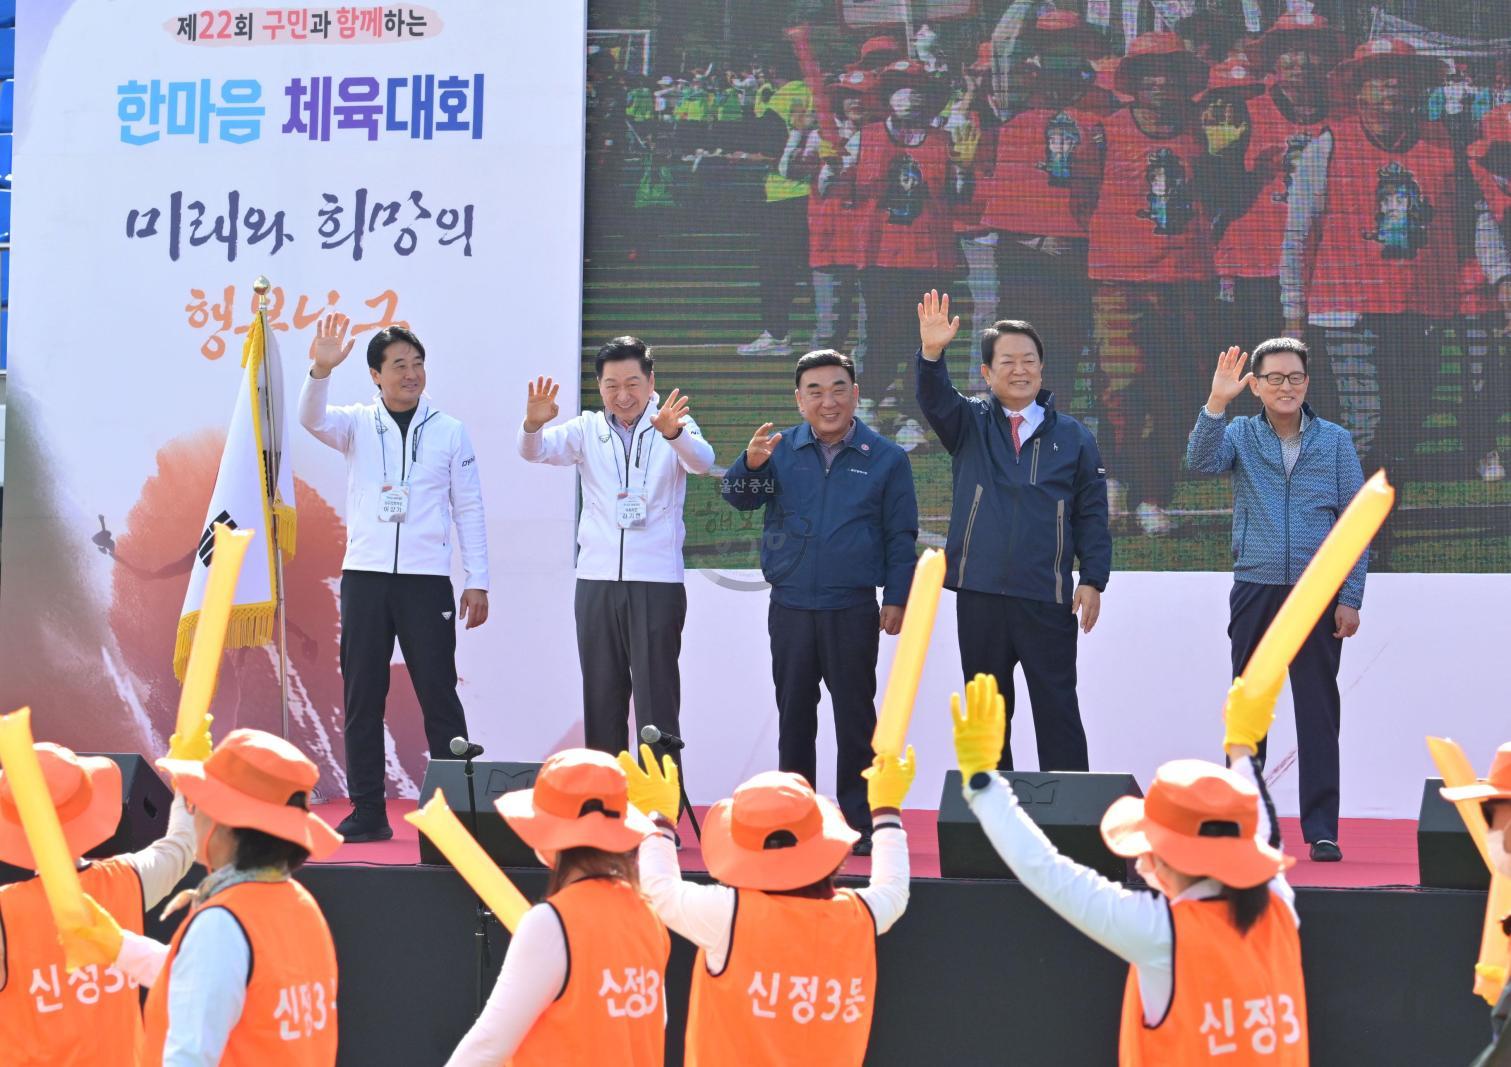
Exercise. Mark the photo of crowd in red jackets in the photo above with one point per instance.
(1146, 183)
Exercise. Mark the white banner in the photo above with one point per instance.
(417, 164)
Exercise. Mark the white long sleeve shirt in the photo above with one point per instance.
(534, 972)
(435, 459)
(208, 986)
(1133, 924)
(705, 914)
(652, 467)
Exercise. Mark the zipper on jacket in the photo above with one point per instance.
(398, 526)
(823, 504)
(965, 544)
(1033, 469)
(1285, 564)
(1059, 546)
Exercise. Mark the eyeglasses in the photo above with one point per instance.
(1278, 379)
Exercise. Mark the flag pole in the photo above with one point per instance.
(261, 286)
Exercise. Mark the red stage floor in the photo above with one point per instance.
(1378, 852)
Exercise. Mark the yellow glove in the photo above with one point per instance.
(1247, 715)
(1222, 136)
(655, 788)
(965, 142)
(982, 729)
(888, 780)
(96, 943)
(195, 748)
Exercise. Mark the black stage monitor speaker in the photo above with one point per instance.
(1446, 856)
(1067, 806)
(491, 780)
(145, 800)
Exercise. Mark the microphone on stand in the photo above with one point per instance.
(461, 748)
(653, 736)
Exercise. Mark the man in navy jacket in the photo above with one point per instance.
(1030, 497)
(841, 520)
(1293, 474)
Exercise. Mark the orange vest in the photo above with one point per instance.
(797, 987)
(49, 1018)
(289, 1018)
(613, 1007)
(1239, 999)
(1389, 243)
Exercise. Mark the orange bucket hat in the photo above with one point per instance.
(1299, 31)
(85, 790)
(1161, 48)
(580, 800)
(1496, 786)
(1199, 818)
(1233, 76)
(1382, 56)
(775, 833)
(247, 783)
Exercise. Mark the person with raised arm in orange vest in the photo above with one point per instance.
(48, 1017)
(209, 1005)
(1215, 950)
(1494, 794)
(786, 967)
(585, 977)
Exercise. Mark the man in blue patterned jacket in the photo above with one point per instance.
(1293, 474)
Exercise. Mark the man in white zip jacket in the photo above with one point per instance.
(633, 458)
(411, 473)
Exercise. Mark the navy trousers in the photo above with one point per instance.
(838, 648)
(1314, 690)
(999, 632)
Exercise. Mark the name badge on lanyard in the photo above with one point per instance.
(630, 509)
(631, 505)
(393, 503)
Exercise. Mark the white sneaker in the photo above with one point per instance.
(865, 411)
(1491, 468)
(910, 435)
(1154, 520)
(1117, 499)
(766, 345)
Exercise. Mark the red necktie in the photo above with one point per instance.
(1016, 420)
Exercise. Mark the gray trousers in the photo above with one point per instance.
(836, 303)
(629, 635)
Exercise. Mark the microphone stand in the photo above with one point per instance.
(484, 916)
(687, 805)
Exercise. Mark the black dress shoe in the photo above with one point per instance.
(1326, 852)
(365, 824)
(862, 847)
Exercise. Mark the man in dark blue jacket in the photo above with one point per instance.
(1030, 497)
(841, 519)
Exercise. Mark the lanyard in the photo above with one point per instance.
(414, 441)
(639, 439)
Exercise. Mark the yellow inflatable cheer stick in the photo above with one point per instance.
(437, 821)
(912, 646)
(1251, 700)
(1490, 971)
(210, 631)
(39, 820)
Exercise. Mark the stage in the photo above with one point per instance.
(1380, 852)
(976, 972)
